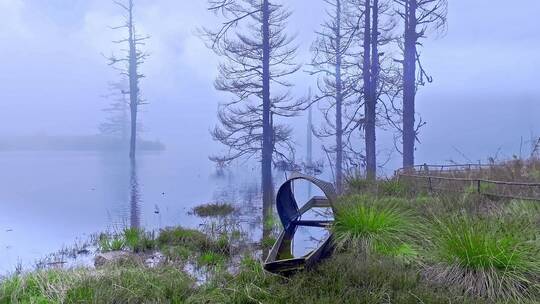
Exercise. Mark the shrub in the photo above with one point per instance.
(492, 258)
(376, 224)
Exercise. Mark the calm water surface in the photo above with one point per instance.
(49, 200)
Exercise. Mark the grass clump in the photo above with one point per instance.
(138, 240)
(492, 258)
(189, 238)
(250, 285)
(133, 239)
(108, 285)
(134, 285)
(527, 210)
(181, 240)
(393, 187)
(354, 278)
(214, 210)
(108, 242)
(210, 258)
(381, 225)
(343, 278)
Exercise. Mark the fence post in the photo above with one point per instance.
(430, 184)
(479, 188)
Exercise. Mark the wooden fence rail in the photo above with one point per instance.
(429, 177)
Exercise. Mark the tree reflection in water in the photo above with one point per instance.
(134, 197)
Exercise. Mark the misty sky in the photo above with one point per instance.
(52, 73)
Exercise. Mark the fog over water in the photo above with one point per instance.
(484, 101)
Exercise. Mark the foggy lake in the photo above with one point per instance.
(60, 198)
(57, 197)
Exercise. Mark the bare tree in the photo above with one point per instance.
(419, 17)
(377, 74)
(258, 56)
(335, 61)
(117, 122)
(129, 65)
(369, 69)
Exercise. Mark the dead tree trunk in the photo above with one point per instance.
(409, 83)
(335, 61)
(339, 102)
(419, 16)
(369, 94)
(268, 141)
(257, 55)
(128, 65)
(371, 103)
(133, 83)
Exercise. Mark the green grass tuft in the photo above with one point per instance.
(108, 242)
(375, 224)
(138, 240)
(492, 258)
(210, 258)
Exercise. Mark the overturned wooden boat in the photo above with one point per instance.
(281, 259)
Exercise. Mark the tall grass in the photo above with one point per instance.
(340, 279)
(108, 285)
(133, 239)
(527, 210)
(370, 223)
(392, 187)
(493, 258)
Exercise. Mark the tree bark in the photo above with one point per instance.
(267, 148)
(409, 84)
(369, 101)
(371, 137)
(133, 83)
(339, 103)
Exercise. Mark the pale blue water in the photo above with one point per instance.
(49, 200)
(52, 199)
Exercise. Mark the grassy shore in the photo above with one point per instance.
(393, 245)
